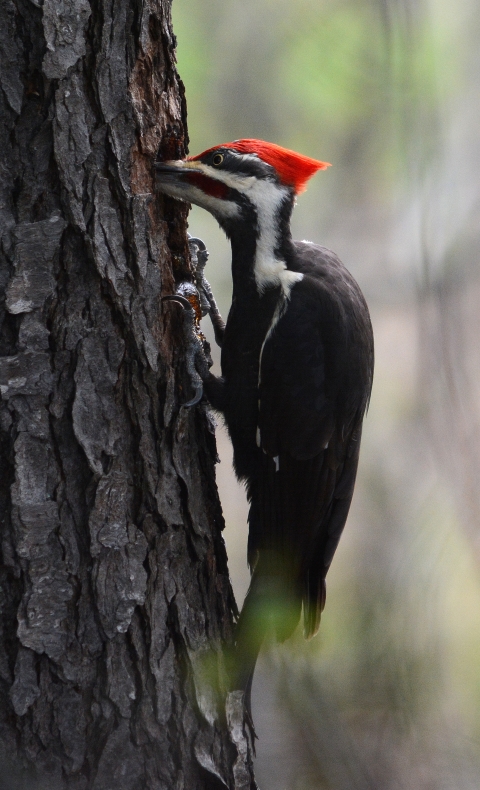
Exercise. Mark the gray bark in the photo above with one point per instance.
(114, 591)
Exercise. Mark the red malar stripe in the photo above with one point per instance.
(208, 185)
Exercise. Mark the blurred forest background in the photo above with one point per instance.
(388, 695)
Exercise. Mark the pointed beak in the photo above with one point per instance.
(171, 178)
(173, 166)
(191, 182)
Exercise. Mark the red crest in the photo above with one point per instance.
(294, 169)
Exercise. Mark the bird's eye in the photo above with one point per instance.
(217, 159)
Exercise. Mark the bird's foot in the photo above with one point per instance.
(197, 301)
(197, 356)
(208, 305)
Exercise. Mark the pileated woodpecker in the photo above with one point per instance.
(297, 368)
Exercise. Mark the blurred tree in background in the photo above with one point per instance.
(388, 695)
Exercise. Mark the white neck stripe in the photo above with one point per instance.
(266, 197)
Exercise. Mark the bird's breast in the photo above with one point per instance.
(247, 326)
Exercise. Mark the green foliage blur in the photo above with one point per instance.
(388, 694)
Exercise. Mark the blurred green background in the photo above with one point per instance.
(388, 695)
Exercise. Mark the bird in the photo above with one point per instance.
(297, 359)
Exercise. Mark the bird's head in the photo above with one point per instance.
(232, 179)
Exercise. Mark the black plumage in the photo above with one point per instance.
(294, 411)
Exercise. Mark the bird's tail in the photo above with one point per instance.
(313, 603)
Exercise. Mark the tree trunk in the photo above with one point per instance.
(114, 591)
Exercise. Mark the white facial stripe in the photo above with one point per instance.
(192, 194)
(241, 183)
(267, 198)
(216, 206)
(235, 181)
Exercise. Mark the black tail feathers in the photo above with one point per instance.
(313, 604)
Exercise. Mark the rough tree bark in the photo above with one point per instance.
(114, 590)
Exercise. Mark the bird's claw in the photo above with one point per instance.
(180, 300)
(197, 362)
(199, 258)
(196, 398)
(197, 301)
(208, 305)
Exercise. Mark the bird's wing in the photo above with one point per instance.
(308, 447)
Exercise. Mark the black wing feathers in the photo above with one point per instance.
(315, 378)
